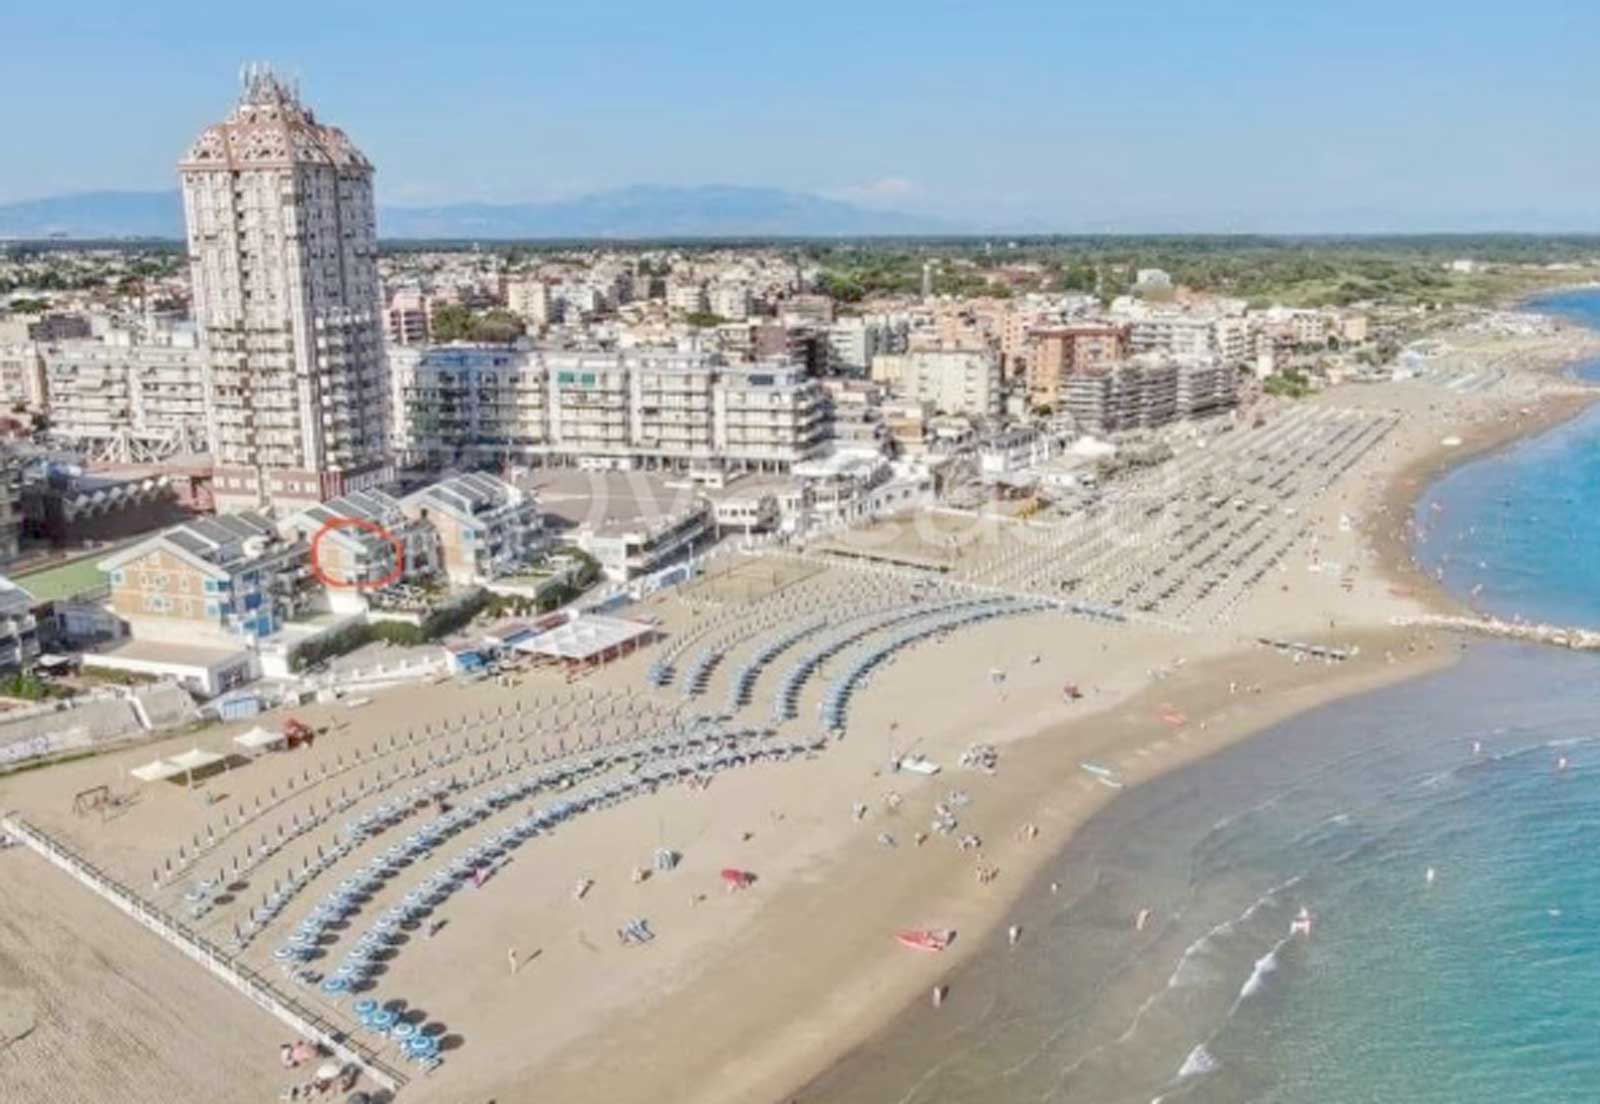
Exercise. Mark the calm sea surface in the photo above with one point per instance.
(1479, 985)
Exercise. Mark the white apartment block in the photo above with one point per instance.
(128, 401)
(1173, 333)
(729, 300)
(22, 375)
(638, 409)
(282, 242)
(853, 342)
(688, 296)
(530, 300)
(954, 381)
(1233, 340)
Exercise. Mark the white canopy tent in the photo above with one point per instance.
(588, 638)
(259, 739)
(157, 770)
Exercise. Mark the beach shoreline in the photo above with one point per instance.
(747, 997)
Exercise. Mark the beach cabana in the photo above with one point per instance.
(157, 770)
(259, 739)
(195, 760)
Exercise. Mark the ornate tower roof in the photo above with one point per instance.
(270, 128)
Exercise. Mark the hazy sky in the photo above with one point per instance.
(1115, 114)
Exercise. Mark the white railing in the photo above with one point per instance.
(307, 1022)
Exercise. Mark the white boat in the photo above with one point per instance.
(919, 764)
(1302, 923)
(1097, 769)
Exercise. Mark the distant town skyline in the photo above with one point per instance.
(1369, 117)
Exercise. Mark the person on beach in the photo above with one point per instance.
(511, 959)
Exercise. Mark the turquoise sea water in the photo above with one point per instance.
(1479, 986)
(1519, 531)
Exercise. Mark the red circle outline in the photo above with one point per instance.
(372, 527)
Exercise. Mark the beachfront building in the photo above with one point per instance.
(632, 410)
(1056, 353)
(131, 398)
(19, 629)
(282, 243)
(467, 405)
(627, 548)
(1206, 386)
(224, 580)
(486, 528)
(364, 541)
(1141, 393)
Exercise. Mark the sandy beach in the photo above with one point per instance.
(743, 996)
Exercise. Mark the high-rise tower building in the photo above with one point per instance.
(283, 261)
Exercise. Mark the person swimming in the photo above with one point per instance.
(1429, 876)
(1302, 922)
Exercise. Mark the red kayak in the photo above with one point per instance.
(924, 939)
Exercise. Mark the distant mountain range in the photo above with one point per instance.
(637, 212)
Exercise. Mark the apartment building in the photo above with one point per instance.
(635, 409)
(1206, 386)
(531, 301)
(687, 296)
(486, 528)
(1173, 333)
(22, 375)
(769, 416)
(1298, 327)
(282, 242)
(228, 580)
(408, 319)
(129, 398)
(1136, 394)
(855, 415)
(1057, 352)
(852, 343)
(729, 300)
(467, 406)
(954, 381)
(363, 542)
(11, 514)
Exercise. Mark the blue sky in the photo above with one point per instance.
(1158, 115)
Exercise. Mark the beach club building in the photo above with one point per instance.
(485, 527)
(201, 601)
(226, 580)
(364, 541)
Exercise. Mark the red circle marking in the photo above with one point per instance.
(372, 527)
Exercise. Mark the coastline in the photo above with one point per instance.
(746, 997)
(1389, 531)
